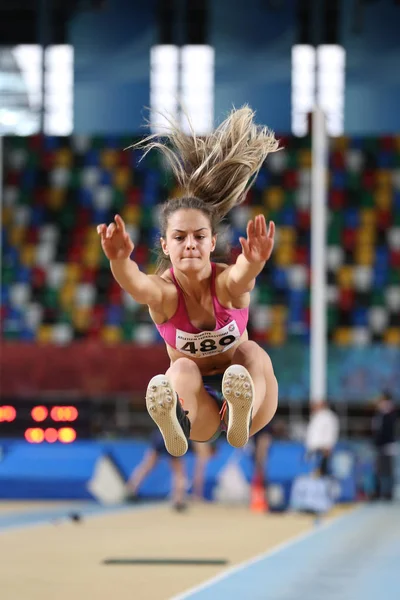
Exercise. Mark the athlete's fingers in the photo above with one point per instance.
(258, 223)
(271, 230)
(245, 245)
(120, 223)
(110, 230)
(264, 226)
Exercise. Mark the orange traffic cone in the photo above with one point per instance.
(258, 501)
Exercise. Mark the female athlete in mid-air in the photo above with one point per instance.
(200, 307)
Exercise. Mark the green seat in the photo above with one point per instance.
(371, 144)
(75, 178)
(378, 297)
(118, 200)
(64, 317)
(50, 297)
(97, 142)
(394, 277)
(289, 199)
(335, 229)
(367, 199)
(7, 275)
(353, 181)
(266, 295)
(332, 317)
(67, 217)
(33, 160)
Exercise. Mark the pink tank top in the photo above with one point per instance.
(179, 333)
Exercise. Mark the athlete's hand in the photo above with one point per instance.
(115, 241)
(260, 241)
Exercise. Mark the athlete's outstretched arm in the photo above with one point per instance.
(256, 250)
(118, 246)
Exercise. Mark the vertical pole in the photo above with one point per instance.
(318, 345)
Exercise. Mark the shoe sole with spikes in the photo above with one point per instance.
(238, 391)
(161, 400)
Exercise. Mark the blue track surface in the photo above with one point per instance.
(355, 557)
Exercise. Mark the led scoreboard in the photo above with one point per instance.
(44, 423)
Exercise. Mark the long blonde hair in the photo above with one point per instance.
(213, 171)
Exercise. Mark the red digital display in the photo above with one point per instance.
(37, 435)
(39, 423)
(7, 414)
(64, 413)
(39, 413)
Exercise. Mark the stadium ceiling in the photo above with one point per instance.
(23, 21)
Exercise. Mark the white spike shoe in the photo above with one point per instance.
(166, 411)
(238, 391)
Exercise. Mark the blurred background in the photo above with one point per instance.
(77, 82)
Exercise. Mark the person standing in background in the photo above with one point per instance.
(384, 434)
(322, 434)
(150, 460)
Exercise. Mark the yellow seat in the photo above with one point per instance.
(345, 276)
(397, 142)
(7, 216)
(44, 334)
(273, 198)
(257, 210)
(123, 178)
(367, 217)
(108, 159)
(287, 235)
(366, 236)
(56, 198)
(340, 143)
(67, 295)
(63, 158)
(17, 234)
(384, 178)
(284, 255)
(111, 334)
(304, 158)
(384, 198)
(277, 336)
(278, 314)
(131, 214)
(91, 255)
(72, 272)
(342, 336)
(81, 317)
(91, 236)
(28, 255)
(364, 255)
(392, 336)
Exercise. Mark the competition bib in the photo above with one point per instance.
(207, 343)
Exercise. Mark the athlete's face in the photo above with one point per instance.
(189, 240)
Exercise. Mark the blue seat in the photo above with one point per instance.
(37, 216)
(288, 216)
(106, 177)
(114, 315)
(92, 158)
(385, 159)
(23, 274)
(279, 278)
(339, 180)
(360, 317)
(352, 218)
(85, 196)
(51, 142)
